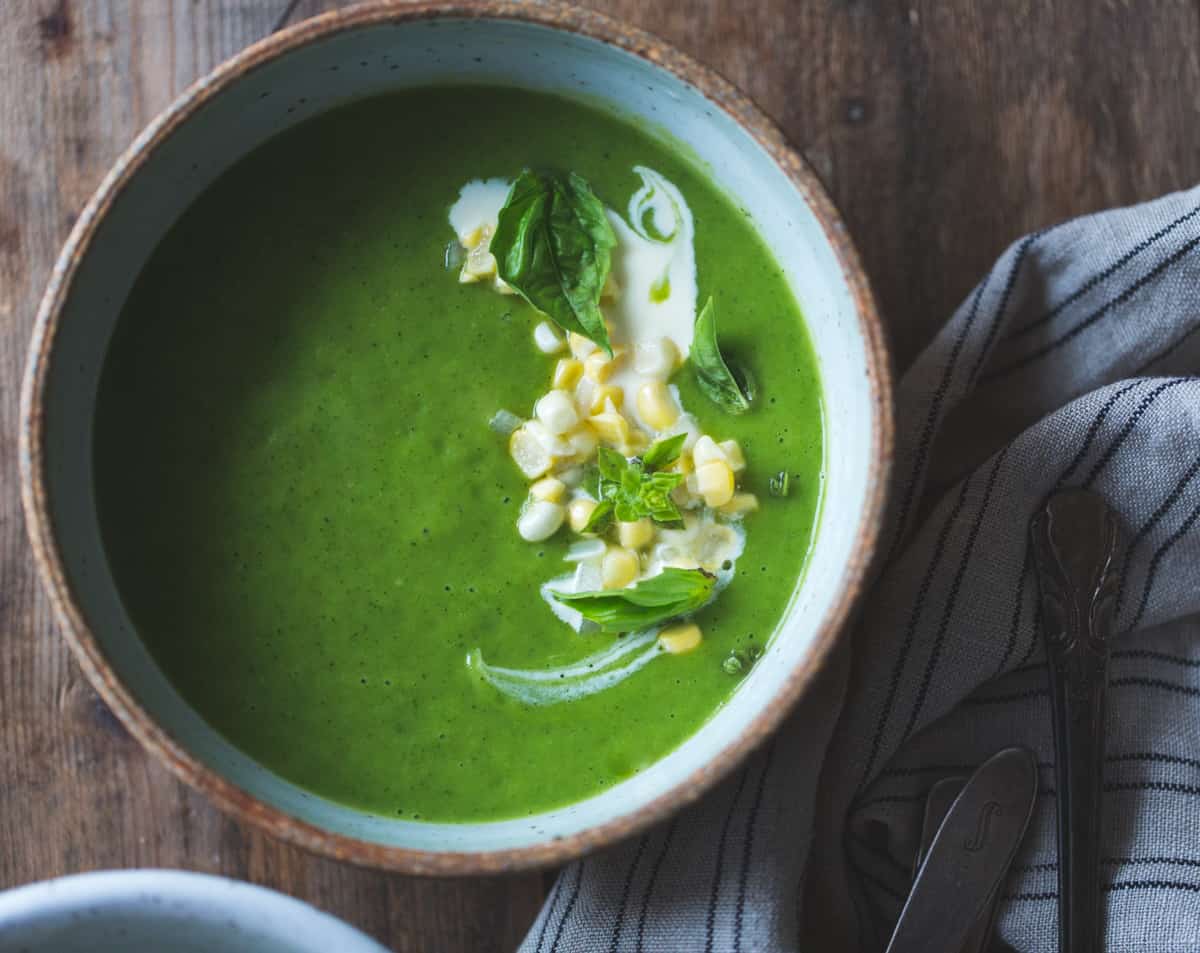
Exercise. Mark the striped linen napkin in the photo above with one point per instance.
(1069, 365)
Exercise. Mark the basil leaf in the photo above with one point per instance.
(553, 244)
(611, 464)
(600, 518)
(663, 453)
(731, 391)
(673, 592)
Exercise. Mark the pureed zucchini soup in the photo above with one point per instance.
(459, 451)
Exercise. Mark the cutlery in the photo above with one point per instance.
(1076, 538)
(969, 855)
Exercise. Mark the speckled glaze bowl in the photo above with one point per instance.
(152, 911)
(311, 68)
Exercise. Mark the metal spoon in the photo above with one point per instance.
(1076, 539)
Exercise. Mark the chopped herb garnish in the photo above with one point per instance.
(780, 484)
(636, 488)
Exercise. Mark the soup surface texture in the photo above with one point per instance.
(307, 515)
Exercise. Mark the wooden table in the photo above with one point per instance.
(943, 129)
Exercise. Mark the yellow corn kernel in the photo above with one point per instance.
(579, 511)
(707, 451)
(529, 453)
(618, 568)
(714, 482)
(599, 367)
(612, 429)
(680, 638)
(580, 346)
(733, 455)
(684, 464)
(656, 406)
(473, 237)
(656, 358)
(607, 392)
(550, 489)
(740, 505)
(567, 373)
(635, 535)
(582, 441)
(638, 442)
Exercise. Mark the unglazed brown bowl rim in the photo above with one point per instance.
(34, 494)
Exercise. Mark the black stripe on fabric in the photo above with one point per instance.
(1154, 757)
(710, 922)
(939, 641)
(1157, 559)
(1094, 316)
(1160, 683)
(651, 882)
(911, 630)
(1112, 888)
(931, 419)
(1166, 351)
(748, 849)
(1007, 699)
(566, 915)
(1163, 508)
(1093, 430)
(1100, 276)
(921, 796)
(1130, 424)
(1116, 862)
(1018, 609)
(1156, 657)
(553, 902)
(1165, 787)
(947, 770)
(998, 316)
(619, 925)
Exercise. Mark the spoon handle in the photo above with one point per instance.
(1076, 539)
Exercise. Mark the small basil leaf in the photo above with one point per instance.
(600, 518)
(611, 464)
(664, 453)
(553, 244)
(732, 392)
(672, 593)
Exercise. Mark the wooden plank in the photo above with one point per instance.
(943, 131)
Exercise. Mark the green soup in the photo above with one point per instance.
(307, 515)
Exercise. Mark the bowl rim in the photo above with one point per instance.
(31, 455)
(209, 898)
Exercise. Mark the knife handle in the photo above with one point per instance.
(1076, 539)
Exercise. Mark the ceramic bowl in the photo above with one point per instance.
(149, 911)
(313, 67)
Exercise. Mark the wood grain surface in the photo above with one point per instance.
(943, 130)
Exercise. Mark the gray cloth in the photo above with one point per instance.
(1066, 366)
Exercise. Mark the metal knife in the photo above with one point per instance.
(969, 856)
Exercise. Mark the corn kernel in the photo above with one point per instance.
(549, 489)
(638, 443)
(683, 464)
(733, 455)
(540, 520)
(610, 393)
(579, 511)
(547, 338)
(740, 504)
(714, 482)
(557, 411)
(656, 406)
(599, 366)
(567, 373)
(582, 441)
(656, 358)
(635, 535)
(612, 429)
(707, 451)
(680, 638)
(528, 452)
(480, 264)
(618, 568)
(581, 346)
(472, 238)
